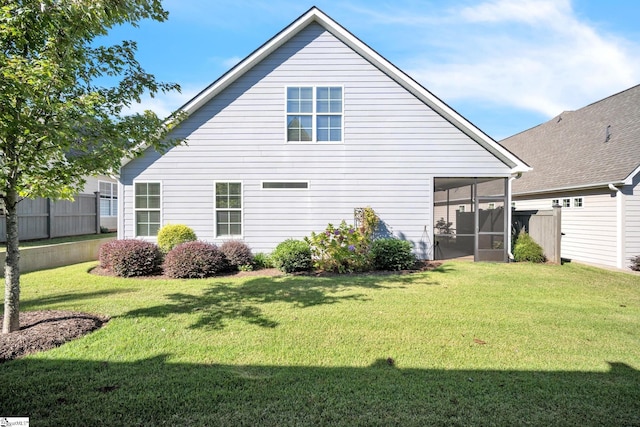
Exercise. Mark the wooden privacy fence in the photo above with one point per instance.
(45, 218)
(544, 226)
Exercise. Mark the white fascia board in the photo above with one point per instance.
(629, 179)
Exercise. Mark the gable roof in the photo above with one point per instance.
(592, 147)
(315, 15)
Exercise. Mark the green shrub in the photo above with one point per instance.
(237, 253)
(130, 257)
(344, 249)
(292, 255)
(392, 254)
(262, 260)
(635, 263)
(194, 260)
(527, 250)
(171, 235)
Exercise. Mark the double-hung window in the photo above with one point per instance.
(228, 209)
(108, 198)
(314, 114)
(147, 208)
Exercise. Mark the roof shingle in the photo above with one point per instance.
(595, 145)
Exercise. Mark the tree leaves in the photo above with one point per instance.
(58, 120)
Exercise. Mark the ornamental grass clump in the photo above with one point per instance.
(527, 250)
(194, 260)
(238, 255)
(171, 235)
(291, 256)
(392, 254)
(130, 258)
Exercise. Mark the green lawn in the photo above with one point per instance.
(471, 344)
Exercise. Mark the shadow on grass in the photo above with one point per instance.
(68, 297)
(157, 391)
(224, 300)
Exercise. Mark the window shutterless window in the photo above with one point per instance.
(314, 114)
(577, 202)
(566, 203)
(147, 208)
(228, 209)
(108, 198)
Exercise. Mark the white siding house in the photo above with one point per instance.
(588, 162)
(108, 188)
(311, 126)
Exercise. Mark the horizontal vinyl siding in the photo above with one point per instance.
(393, 147)
(589, 232)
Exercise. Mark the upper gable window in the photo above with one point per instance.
(314, 114)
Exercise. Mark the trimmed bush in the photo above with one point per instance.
(292, 255)
(261, 260)
(527, 250)
(237, 253)
(130, 257)
(392, 254)
(194, 260)
(171, 235)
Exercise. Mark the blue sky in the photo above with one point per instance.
(505, 65)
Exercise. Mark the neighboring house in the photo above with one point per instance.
(308, 128)
(588, 161)
(108, 188)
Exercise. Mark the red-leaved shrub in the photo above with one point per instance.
(194, 260)
(237, 254)
(130, 257)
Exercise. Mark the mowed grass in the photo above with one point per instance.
(467, 344)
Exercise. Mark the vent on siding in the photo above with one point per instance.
(285, 185)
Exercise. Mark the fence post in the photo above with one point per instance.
(557, 227)
(97, 193)
(50, 212)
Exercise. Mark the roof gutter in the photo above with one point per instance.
(574, 188)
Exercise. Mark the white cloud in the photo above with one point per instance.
(529, 54)
(231, 62)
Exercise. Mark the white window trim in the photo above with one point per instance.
(110, 198)
(563, 200)
(575, 205)
(314, 115)
(135, 210)
(215, 210)
(283, 181)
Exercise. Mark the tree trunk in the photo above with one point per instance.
(11, 267)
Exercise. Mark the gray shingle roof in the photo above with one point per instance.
(597, 144)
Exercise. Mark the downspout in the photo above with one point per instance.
(619, 223)
(509, 213)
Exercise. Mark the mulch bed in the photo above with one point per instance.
(47, 329)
